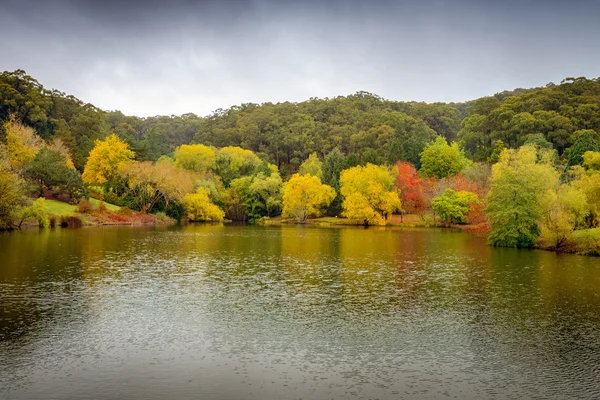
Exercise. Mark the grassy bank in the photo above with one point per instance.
(65, 214)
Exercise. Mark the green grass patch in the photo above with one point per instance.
(60, 208)
(110, 207)
(593, 233)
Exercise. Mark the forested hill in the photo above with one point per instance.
(363, 124)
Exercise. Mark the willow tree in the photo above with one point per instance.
(516, 199)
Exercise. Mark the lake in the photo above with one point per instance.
(246, 312)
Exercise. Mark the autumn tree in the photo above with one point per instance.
(12, 195)
(196, 157)
(410, 188)
(150, 183)
(304, 196)
(198, 207)
(369, 194)
(591, 160)
(22, 144)
(564, 207)
(515, 201)
(442, 160)
(588, 183)
(105, 160)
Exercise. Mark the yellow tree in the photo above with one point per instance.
(195, 157)
(22, 144)
(305, 196)
(149, 183)
(588, 182)
(369, 194)
(565, 207)
(198, 207)
(591, 160)
(105, 160)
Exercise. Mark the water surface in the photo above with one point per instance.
(237, 312)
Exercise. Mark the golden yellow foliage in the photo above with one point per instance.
(305, 196)
(369, 194)
(198, 207)
(106, 159)
(148, 183)
(22, 144)
(195, 157)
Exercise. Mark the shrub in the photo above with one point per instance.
(71, 221)
(85, 207)
(126, 211)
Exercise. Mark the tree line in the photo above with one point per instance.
(358, 156)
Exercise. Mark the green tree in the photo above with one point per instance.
(453, 206)
(50, 170)
(265, 194)
(333, 165)
(496, 151)
(312, 165)
(37, 211)
(515, 201)
(234, 162)
(442, 160)
(585, 142)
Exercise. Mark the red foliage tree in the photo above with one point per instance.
(411, 192)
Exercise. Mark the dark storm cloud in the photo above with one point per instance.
(159, 57)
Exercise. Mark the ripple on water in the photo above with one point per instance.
(249, 312)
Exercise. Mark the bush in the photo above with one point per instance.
(175, 211)
(71, 221)
(37, 211)
(126, 211)
(587, 245)
(85, 207)
(101, 206)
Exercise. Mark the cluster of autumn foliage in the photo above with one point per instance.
(524, 197)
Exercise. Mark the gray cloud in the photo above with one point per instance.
(148, 58)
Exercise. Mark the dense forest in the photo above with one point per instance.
(359, 156)
(364, 125)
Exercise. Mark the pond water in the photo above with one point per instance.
(240, 312)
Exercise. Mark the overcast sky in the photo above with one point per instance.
(162, 58)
